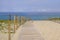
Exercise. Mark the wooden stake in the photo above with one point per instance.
(15, 23)
(9, 22)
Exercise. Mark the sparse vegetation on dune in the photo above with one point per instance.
(54, 18)
(19, 22)
(57, 20)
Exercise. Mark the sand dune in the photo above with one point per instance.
(47, 30)
(27, 32)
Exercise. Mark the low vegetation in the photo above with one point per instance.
(4, 24)
(54, 18)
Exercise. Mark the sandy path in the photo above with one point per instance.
(38, 30)
(48, 29)
(27, 32)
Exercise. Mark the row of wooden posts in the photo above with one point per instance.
(9, 26)
(15, 25)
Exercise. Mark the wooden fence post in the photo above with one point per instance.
(9, 27)
(15, 23)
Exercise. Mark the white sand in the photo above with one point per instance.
(48, 30)
(27, 32)
(4, 36)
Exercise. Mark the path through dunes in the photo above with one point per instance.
(38, 30)
(28, 32)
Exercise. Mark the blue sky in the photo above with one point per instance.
(29, 5)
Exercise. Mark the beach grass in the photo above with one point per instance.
(4, 24)
(54, 18)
